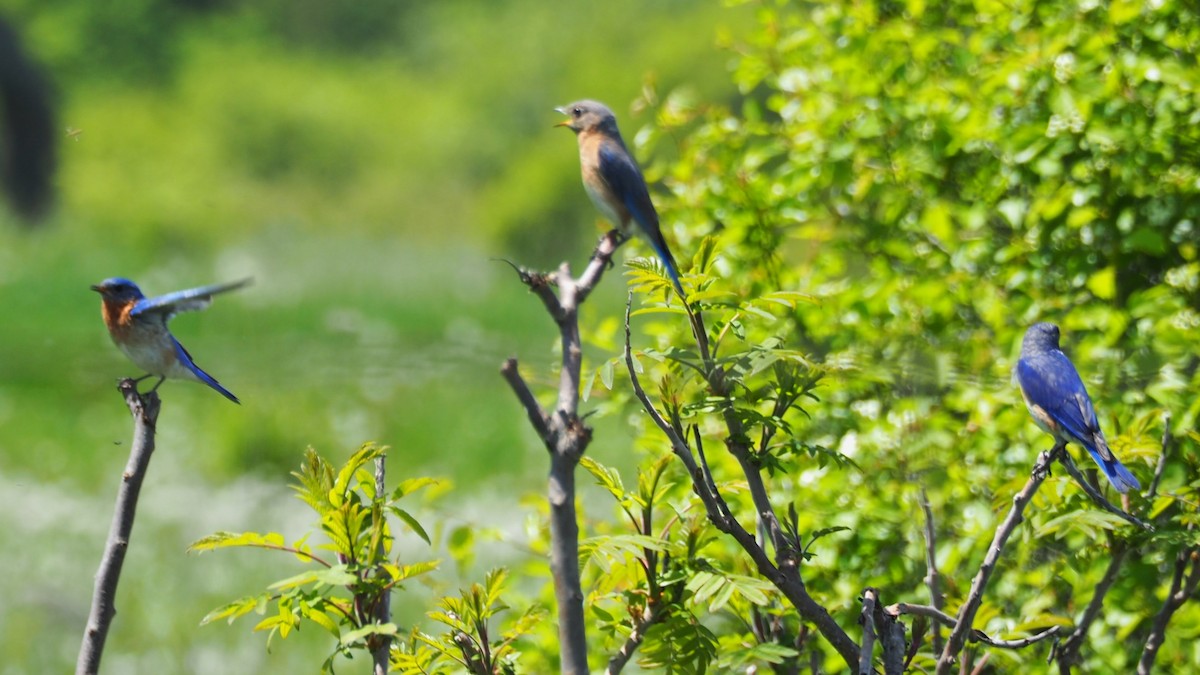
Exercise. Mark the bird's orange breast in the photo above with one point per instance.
(116, 317)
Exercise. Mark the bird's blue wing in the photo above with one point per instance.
(621, 173)
(625, 179)
(1052, 383)
(184, 301)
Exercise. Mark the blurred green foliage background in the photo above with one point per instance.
(367, 163)
(937, 177)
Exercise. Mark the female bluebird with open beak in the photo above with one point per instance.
(613, 180)
(138, 326)
(1059, 403)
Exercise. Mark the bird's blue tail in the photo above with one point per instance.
(669, 262)
(186, 359)
(210, 381)
(1117, 474)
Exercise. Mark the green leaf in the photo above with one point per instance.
(590, 382)
(606, 374)
(411, 522)
(719, 589)
(367, 453)
(230, 540)
(411, 485)
(606, 477)
(355, 636)
(238, 608)
(416, 569)
(322, 619)
(1088, 523)
(1104, 283)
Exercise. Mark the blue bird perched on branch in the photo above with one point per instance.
(1060, 404)
(138, 326)
(613, 180)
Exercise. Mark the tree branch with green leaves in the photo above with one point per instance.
(349, 594)
(792, 380)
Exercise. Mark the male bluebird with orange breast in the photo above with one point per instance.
(613, 180)
(138, 326)
(1059, 403)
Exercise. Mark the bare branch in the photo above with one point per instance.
(940, 617)
(968, 660)
(1019, 642)
(926, 611)
(891, 634)
(1162, 457)
(601, 261)
(1067, 654)
(707, 474)
(932, 579)
(884, 627)
(966, 614)
(1069, 464)
(867, 619)
(1183, 585)
(144, 409)
(564, 560)
(566, 438)
(651, 615)
(979, 667)
(537, 416)
(701, 480)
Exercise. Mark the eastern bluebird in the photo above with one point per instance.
(612, 178)
(1059, 403)
(138, 326)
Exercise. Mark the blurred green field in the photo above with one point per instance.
(367, 166)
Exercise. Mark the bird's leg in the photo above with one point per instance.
(618, 238)
(139, 379)
(161, 379)
(1056, 453)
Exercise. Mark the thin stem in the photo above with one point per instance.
(785, 577)
(381, 652)
(932, 578)
(1183, 585)
(966, 614)
(1162, 457)
(1067, 654)
(650, 615)
(1069, 463)
(145, 409)
(944, 619)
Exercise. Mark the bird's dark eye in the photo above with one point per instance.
(577, 111)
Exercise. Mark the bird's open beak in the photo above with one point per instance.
(96, 288)
(562, 110)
